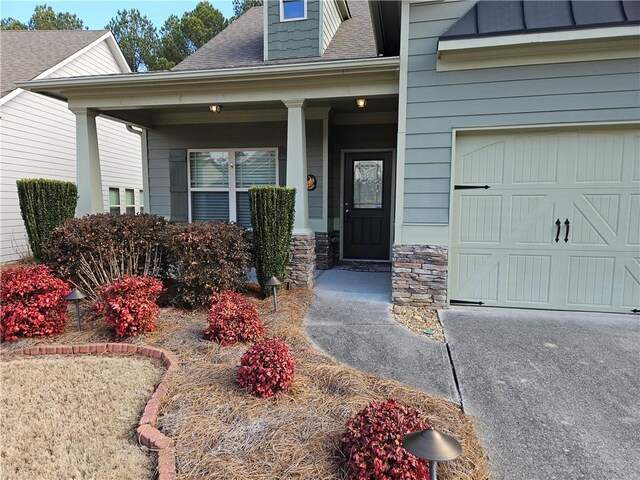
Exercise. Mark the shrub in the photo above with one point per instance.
(129, 304)
(266, 368)
(232, 318)
(44, 205)
(372, 443)
(206, 258)
(98, 249)
(272, 215)
(31, 303)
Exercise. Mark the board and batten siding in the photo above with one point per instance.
(331, 20)
(438, 102)
(167, 153)
(294, 38)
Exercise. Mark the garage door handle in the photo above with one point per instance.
(566, 235)
(559, 225)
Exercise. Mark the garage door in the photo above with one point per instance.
(547, 220)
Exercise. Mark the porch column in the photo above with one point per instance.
(302, 262)
(297, 164)
(88, 175)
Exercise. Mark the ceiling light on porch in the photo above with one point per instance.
(361, 102)
(215, 108)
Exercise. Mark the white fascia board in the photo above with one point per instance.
(10, 95)
(117, 53)
(538, 38)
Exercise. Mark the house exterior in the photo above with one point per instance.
(489, 150)
(38, 133)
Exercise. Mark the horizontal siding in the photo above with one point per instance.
(96, 61)
(438, 102)
(38, 140)
(331, 20)
(293, 39)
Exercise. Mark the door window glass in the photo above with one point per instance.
(367, 184)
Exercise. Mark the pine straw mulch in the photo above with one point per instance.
(222, 432)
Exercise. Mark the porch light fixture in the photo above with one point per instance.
(361, 102)
(215, 108)
(75, 296)
(274, 282)
(432, 445)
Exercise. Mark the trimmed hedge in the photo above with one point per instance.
(272, 216)
(44, 205)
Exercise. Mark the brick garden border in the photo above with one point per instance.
(147, 433)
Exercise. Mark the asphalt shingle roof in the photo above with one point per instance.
(502, 17)
(241, 44)
(25, 54)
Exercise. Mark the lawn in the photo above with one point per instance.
(74, 417)
(222, 432)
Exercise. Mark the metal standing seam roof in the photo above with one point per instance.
(241, 44)
(25, 54)
(504, 17)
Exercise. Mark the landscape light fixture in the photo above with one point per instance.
(215, 108)
(274, 282)
(361, 102)
(429, 444)
(75, 296)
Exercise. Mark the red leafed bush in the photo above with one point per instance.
(266, 368)
(32, 303)
(232, 318)
(372, 443)
(129, 304)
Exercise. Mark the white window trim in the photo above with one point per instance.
(282, 19)
(232, 189)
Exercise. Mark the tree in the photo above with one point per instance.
(45, 18)
(241, 6)
(136, 37)
(11, 23)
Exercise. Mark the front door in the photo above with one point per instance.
(367, 206)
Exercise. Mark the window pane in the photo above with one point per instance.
(114, 197)
(209, 206)
(243, 212)
(130, 198)
(255, 167)
(114, 210)
(292, 9)
(367, 184)
(141, 201)
(209, 169)
(131, 210)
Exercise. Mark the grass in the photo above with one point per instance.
(222, 432)
(74, 417)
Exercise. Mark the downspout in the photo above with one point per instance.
(145, 163)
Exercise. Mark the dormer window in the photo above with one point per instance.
(293, 10)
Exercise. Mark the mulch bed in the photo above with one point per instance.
(222, 432)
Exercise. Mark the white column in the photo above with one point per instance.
(297, 164)
(88, 176)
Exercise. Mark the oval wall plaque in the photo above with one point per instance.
(311, 182)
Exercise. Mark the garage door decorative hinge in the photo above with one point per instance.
(465, 302)
(470, 187)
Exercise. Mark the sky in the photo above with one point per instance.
(96, 13)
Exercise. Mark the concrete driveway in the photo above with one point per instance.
(556, 394)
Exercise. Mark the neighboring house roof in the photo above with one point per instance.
(25, 54)
(490, 17)
(241, 44)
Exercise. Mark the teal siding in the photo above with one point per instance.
(438, 102)
(293, 39)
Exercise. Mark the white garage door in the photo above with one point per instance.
(558, 226)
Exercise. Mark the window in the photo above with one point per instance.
(114, 200)
(219, 182)
(130, 201)
(141, 201)
(293, 10)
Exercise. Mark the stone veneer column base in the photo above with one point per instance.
(301, 269)
(419, 275)
(323, 251)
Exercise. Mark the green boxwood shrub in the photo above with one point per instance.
(44, 205)
(272, 216)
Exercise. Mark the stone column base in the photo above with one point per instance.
(419, 275)
(327, 250)
(301, 269)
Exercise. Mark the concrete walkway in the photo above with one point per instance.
(350, 319)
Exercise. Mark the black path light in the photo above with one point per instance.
(75, 296)
(429, 444)
(274, 282)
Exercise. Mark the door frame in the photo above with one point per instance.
(393, 196)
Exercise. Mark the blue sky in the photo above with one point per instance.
(97, 13)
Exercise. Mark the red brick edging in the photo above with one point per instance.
(147, 433)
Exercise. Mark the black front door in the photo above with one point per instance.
(367, 206)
